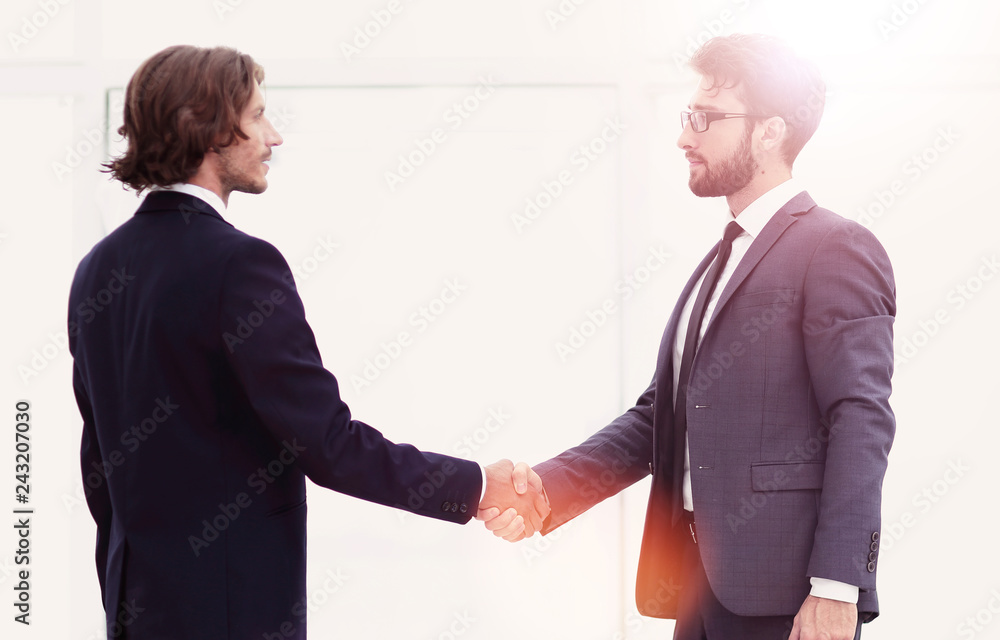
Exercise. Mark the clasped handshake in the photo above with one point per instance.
(514, 504)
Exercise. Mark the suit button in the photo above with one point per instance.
(871, 567)
(445, 506)
(464, 508)
(871, 557)
(454, 507)
(875, 537)
(874, 546)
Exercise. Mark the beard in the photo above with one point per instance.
(234, 178)
(731, 174)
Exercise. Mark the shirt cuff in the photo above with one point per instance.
(833, 590)
(482, 495)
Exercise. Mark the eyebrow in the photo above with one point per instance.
(702, 107)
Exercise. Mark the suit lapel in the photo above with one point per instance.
(776, 226)
(663, 402)
(664, 361)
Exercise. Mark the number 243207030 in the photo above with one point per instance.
(22, 452)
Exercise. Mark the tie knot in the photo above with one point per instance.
(733, 229)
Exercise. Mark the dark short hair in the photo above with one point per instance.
(180, 103)
(770, 78)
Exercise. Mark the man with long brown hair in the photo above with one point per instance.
(204, 399)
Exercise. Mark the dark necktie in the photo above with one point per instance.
(687, 358)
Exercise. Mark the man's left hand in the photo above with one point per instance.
(825, 619)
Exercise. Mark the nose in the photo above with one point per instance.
(688, 138)
(274, 138)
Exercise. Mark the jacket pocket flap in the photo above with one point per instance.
(786, 476)
(761, 298)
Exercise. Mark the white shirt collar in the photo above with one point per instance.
(759, 212)
(209, 197)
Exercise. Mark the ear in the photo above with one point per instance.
(773, 134)
(207, 173)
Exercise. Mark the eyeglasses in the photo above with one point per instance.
(700, 120)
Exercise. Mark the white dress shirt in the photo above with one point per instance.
(752, 220)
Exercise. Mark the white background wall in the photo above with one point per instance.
(914, 92)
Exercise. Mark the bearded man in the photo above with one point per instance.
(767, 424)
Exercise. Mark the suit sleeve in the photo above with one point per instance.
(849, 309)
(614, 458)
(91, 462)
(272, 351)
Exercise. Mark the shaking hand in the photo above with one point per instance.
(515, 504)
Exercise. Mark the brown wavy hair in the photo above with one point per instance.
(771, 79)
(180, 103)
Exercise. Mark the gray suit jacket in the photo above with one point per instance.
(788, 420)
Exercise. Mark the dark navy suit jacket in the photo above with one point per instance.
(205, 406)
(788, 420)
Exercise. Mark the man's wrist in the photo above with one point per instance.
(833, 590)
